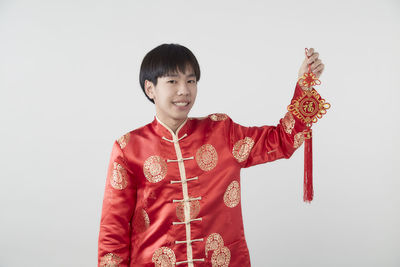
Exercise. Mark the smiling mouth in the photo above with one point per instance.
(181, 104)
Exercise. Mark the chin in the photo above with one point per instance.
(181, 116)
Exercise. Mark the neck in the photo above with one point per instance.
(172, 124)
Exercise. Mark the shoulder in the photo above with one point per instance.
(212, 117)
(213, 120)
(218, 117)
(124, 139)
(217, 123)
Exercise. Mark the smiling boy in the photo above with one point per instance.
(172, 194)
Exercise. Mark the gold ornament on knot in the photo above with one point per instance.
(309, 107)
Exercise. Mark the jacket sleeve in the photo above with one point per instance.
(255, 145)
(118, 206)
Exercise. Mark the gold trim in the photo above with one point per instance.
(169, 129)
(189, 251)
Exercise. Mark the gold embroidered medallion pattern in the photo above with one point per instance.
(110, 260)
(218, 117)
(232, 195)
(207, 157)
(141, 221)
(194, 210)
(155, 169)
(123, 140)
(288, 123)
(221, 257)
(241, 149)
(164, 257)
(298, 140)
(214, 242)
(119, 179)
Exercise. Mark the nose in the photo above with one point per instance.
(183, 89)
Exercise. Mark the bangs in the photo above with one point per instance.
(171, 60)
(173, 70)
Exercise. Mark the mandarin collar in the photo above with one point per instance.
(163, 130)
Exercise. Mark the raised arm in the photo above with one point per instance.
(255, 145)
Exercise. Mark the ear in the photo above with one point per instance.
(149, 89)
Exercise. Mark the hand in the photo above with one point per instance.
(316, 64)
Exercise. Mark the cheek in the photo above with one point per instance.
(193, 91)
(165, 97)
(194, 94)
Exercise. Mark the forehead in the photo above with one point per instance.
(176, 73)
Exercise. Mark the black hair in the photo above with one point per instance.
(166, 59)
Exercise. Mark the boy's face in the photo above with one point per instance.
(173, 96)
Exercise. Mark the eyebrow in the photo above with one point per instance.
(176, 75)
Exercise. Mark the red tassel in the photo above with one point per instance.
(308, 176)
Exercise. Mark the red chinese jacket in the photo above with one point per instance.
(174, 199)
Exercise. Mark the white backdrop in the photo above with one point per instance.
(69, 87)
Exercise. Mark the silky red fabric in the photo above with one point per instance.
(138, 210)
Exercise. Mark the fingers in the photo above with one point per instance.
(313, 58)
(315, 63)
(319, 69)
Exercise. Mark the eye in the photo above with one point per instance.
(171, 81)
(192, 81)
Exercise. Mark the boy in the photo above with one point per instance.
(172, 194)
